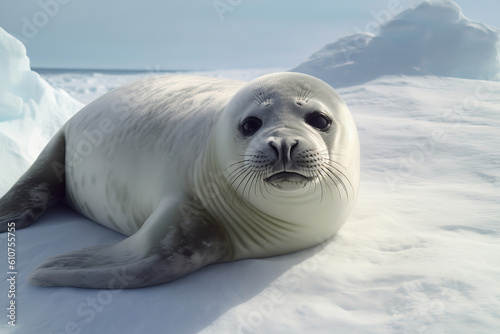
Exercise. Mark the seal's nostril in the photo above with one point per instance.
(293, 145)
(275, 147)
(283, 148)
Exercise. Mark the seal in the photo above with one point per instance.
(195, 171)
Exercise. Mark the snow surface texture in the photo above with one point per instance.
(31, 111)
(419, 254)
(433, 38)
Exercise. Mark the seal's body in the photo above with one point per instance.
(195, 171)
(134, 147)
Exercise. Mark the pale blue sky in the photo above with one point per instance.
(177, 34)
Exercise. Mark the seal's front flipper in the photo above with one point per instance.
(166, 247)
(37, 188)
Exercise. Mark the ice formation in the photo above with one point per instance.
(31, 110)
(434, 38)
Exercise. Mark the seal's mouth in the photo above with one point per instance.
(288, 180)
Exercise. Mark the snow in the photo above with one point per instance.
(434, 38)
(419, 253)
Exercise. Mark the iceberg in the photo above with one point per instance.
(434, 38)
(31, 111)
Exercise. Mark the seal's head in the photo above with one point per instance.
(292, 140)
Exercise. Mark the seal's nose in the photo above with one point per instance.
(283, 148)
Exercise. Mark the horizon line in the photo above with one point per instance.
(135, 70)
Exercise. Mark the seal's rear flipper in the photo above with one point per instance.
(166, 247)
(41, 184)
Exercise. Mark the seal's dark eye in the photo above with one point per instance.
(319, 121)
(250, 125)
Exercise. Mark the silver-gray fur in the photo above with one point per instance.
(195, 171)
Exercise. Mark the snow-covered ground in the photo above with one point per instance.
(419, 254)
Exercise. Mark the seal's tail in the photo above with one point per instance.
(43, 183)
